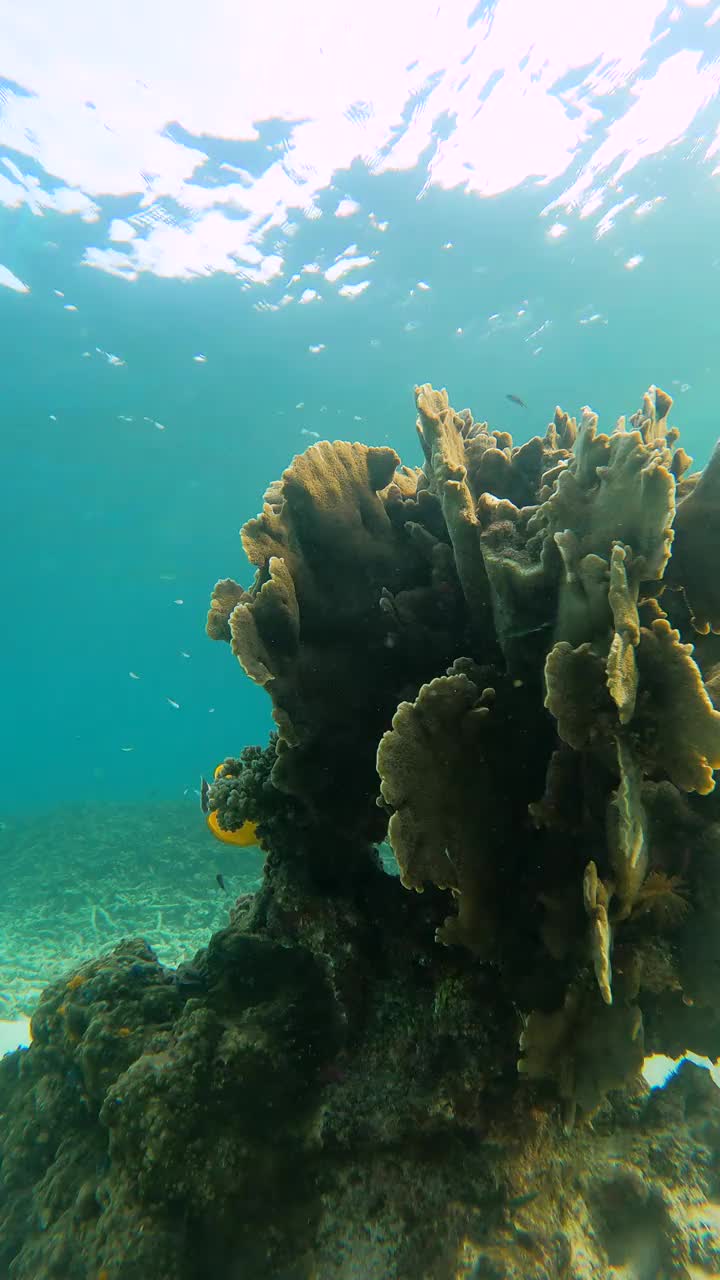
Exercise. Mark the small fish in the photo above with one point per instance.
(221, 882)
(522, 632)
(173, 703)
(204, 791)
(133, 675)
(516, 400)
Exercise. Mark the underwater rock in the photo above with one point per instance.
(161, 1114)
(255, 1132)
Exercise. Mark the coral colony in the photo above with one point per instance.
(505, 663)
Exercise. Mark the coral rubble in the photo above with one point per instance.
(505, 663)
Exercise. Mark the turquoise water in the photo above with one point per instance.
(129, 463)
(110, 521)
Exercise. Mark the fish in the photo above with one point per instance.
(221, 881)
(516, 400)
(520, 633)
(204, 790)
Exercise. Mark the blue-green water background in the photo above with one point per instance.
(108, 522)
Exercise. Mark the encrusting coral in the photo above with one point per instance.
(503, 662)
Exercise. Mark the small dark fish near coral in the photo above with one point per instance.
(516, 400)
(221, 881)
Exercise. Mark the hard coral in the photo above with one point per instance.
(311, 629)
(498, 617)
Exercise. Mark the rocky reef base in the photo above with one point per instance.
(325, 1094)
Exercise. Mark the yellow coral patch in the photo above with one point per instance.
(244, 837)
(218, 771)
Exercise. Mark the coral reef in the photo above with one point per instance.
(504, 662)
(541, 571)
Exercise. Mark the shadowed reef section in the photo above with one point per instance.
(506, 663)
